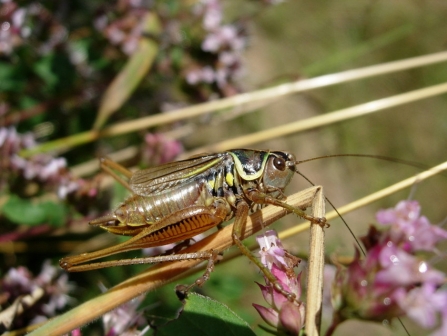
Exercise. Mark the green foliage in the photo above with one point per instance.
(56, 71)
(204, 316)
(11, 78)
(26, 212)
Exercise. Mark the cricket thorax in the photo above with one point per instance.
(242, 171)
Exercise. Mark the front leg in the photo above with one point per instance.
(259, 197)
(312, 197)
(242, 210)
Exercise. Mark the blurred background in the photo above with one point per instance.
(69, 70)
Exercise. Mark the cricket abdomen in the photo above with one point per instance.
(138, 212)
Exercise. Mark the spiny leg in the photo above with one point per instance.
(242, 210)
(182, 290)
(203, 255)
(262, 198)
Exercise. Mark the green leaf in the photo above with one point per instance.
(177, 57)
(11, 78)
(56, 70)
(204, 316)
(22, 211)
(26, 212)
(55, 213)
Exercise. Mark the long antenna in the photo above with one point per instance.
(370, 156)
(339, 215)
(379, 157)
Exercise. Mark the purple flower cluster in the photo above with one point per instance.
(17, 26)
(226, 42)
(12, 28)
(125, 319)
(283, 315)
(409, 229)
(41, 297)
(41, 168)
(392, 281)
(126, 29)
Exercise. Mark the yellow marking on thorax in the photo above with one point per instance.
(230, 179)
(241, 171)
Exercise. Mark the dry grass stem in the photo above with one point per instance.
(370, 198)
(325, 119)
(296, 127)
(273, 93)
(315, 269)
(242, 102)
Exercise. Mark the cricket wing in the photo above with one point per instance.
(154, 180)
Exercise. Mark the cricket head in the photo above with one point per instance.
(279, 170)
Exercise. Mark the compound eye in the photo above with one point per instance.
(279, 163)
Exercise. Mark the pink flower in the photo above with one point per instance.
(223, 37)
(391, 281)
(212, 16)
(424, 235)
(124, 319)
(76, 332)
(271, 249)
(223, 41)
(127, 29)
(403, 214)
(200, 75)
(160, 149)
(407, 227)
(283, 314)
(442, 331)
(289, 318)
(400, 268)
(20, 279)
(421, 303)
(52, 286)
(12, 30)
(48, 171)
